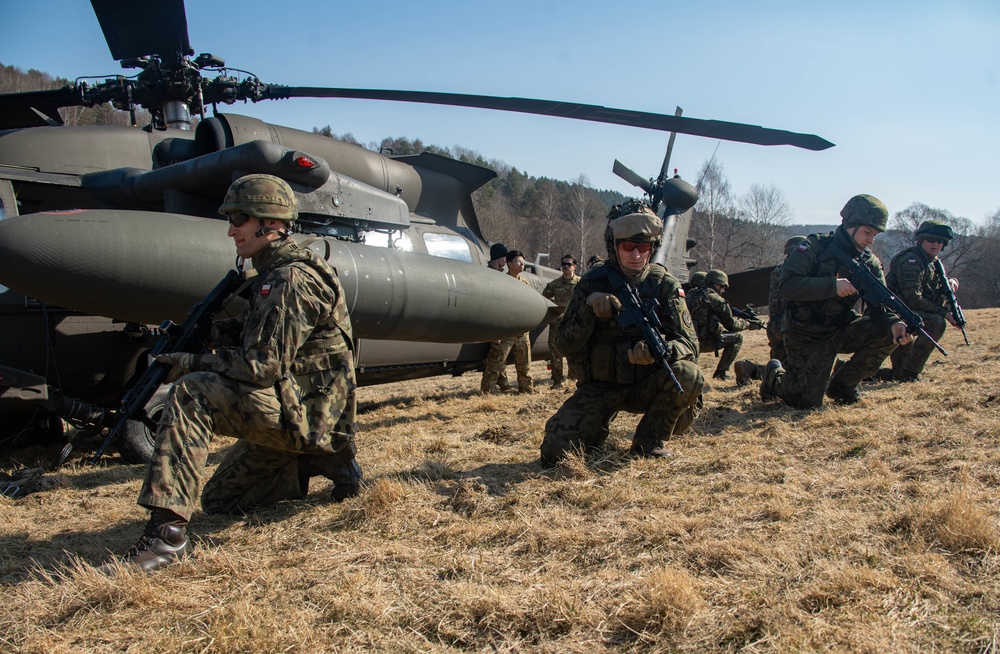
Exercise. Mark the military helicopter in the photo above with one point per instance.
(106, 230)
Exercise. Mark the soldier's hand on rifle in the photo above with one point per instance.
(755, 324)
(605, 305)
(845, 288)
(899, 334)
(179, 362)
(640, 354)
(950, 317)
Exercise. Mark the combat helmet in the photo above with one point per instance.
(262, 196)
(697, 280)
(934, 229)
(716, 276)
(864, 211)
(632, 220)
(791, 243)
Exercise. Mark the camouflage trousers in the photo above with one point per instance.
(730, 344)
(555, 359)
(808, 364)
(912, 357)
(261, 468)
(584, 420)
(496, 362)
(775, 339)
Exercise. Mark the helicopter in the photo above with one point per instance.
(107, 230)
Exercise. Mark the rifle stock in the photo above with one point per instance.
(875, 293)
(189, 337)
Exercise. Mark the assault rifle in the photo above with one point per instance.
(188, 337)
(956, 308)
(643, 315)
(875, 293)
(749, 315)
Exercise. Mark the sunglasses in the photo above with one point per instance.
(630, 246)
(938, 241)
(568, 263)
(237, 219)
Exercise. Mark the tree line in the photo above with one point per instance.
(733, 232)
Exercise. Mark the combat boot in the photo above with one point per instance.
(649, 448)
(346, 476)
(745, 372)
(163, 542)
(906, 376)
(768, 379)
(884, 375)
(842, 394)
(721, 375)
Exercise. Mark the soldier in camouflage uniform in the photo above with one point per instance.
(560, 290)
(711, 315)
(616, 369)
(281, 380)
(496, 360)
(748, 370)
(697, 280)
(819, 318)
(914, 278)
(498, 262)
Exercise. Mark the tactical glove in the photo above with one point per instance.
(605, 305)
(180, 364)
(640, 354)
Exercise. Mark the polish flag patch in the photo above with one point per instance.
(682, 293)
(265, 290)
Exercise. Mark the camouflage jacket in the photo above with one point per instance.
(775, 303)
(560, 290)
(596, 350)
(914, 280)
(809, 286)
(712, 315)
(295, 337)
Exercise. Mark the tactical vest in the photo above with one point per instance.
(316, 387)
(828, 313)
(706, 323)
(606, 354)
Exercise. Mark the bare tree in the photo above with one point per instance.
(766, 215)
(981, 280)
(584, 213)
(713, 215)
(961, 253)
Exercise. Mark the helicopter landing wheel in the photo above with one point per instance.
(136, 440)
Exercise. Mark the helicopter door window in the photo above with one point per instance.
(448, 246)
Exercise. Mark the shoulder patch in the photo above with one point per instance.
(681, 292)
(803, 246)
(686, 317)
(911, 261)
(265, 290)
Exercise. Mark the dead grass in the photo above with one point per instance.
(864, 529)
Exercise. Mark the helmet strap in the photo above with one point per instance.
(264, 230)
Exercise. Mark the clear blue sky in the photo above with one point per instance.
(908, 90)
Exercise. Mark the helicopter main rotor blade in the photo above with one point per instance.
(130, 32)
(665, 168)
(632, 177)
(715, 129)
(36, 108)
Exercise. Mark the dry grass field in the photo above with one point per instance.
(872, 528)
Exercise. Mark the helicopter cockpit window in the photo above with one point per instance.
(8, 206)
(449, 246)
